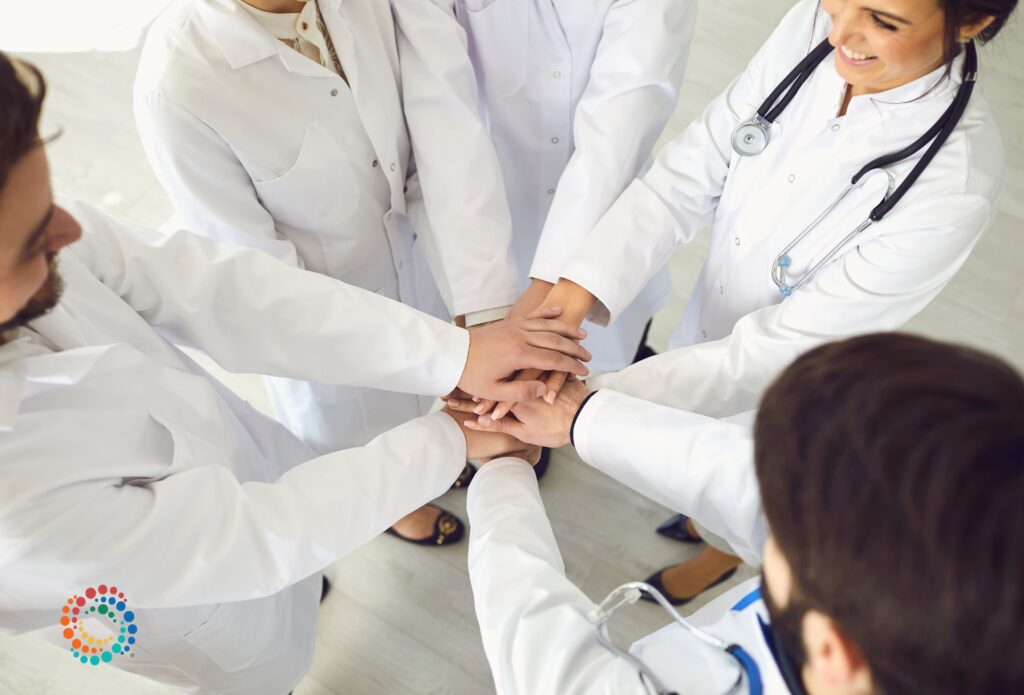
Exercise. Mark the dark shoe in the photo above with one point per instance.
(325, 588)
(542, 464)
(448, 529)
(676, 529)
(645, 350)
(465, 476)
(655, 581)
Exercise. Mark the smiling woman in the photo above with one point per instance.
(884, 44)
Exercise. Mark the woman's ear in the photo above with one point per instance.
(969, 31)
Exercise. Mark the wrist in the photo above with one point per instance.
(574, 300)
(576, 417)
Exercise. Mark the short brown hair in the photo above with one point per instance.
(892, 473)
(22, 90)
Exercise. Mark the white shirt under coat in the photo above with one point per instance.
(533, 619)
(124, 462)
(576, 93)
(738, 332)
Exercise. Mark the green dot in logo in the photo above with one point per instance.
(94, 660)
(122, 629)
(121, 638)
(106, 656)
(103, 609)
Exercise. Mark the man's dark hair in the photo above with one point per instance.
(891, 469)
(22, 90)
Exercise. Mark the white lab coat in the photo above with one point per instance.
(738, 333)
(124, 463)
(576, 93)
(534, 622)
(259, 146)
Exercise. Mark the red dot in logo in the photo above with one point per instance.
(120, 595)
(103, 588)
(69, 633)
(89, 593)
(75, 610)
(74, 620)
(113, 590)
(81, 601)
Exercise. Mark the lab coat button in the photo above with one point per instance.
(835, 128)
(393, 166)
(792, 178)
(375, 164)
(703, 334)
(556, 74)
(554, 141)
(551, 191)
(737, 241)
(334, 92)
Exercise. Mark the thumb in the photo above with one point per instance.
(518, 391)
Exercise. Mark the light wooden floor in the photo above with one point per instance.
(400, 619)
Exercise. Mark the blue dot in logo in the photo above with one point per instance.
(111, 600)
(94, 660)
(129, 616)
(132, 629)
(131, 640)
(120, 605)
(106, 656)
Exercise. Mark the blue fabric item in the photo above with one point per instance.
(755, 686)
(750, 598)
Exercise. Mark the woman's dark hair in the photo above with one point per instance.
(960, 13)
(891, 469)
(22, 91)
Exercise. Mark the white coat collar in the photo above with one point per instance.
(21, 343)
(243, 41)
(933, 86)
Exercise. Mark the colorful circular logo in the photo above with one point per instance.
(98, 625)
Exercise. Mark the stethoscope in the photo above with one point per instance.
(751, 137)
(628, 594)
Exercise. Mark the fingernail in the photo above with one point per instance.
(540, 391)
(479, 410)
(485, 421)
(582, 333)
(454, 403)
(476, 399)
(497, 414)
(471, 424)
(550, 398)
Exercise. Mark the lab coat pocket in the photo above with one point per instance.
(241, 634)
(320, 190)
(499, 34)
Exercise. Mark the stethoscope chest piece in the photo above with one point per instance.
(750, 138)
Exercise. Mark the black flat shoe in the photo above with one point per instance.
(325, 588)
(448, 529)
(542, 464)
(676, 529)
(465, 477)
(655, 581)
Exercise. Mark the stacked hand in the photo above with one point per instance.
(520, 365)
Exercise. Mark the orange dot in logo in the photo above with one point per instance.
(76, 643)
(64, 620)
(65, 609)
(69, 633)
(70, 601)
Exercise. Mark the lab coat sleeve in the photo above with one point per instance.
(197, 535)
(677, 197)
(203, 177)
(469, 236)
(252, 313)
(877, 286)
(633, 88)
(691, 463)
(533, 620)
